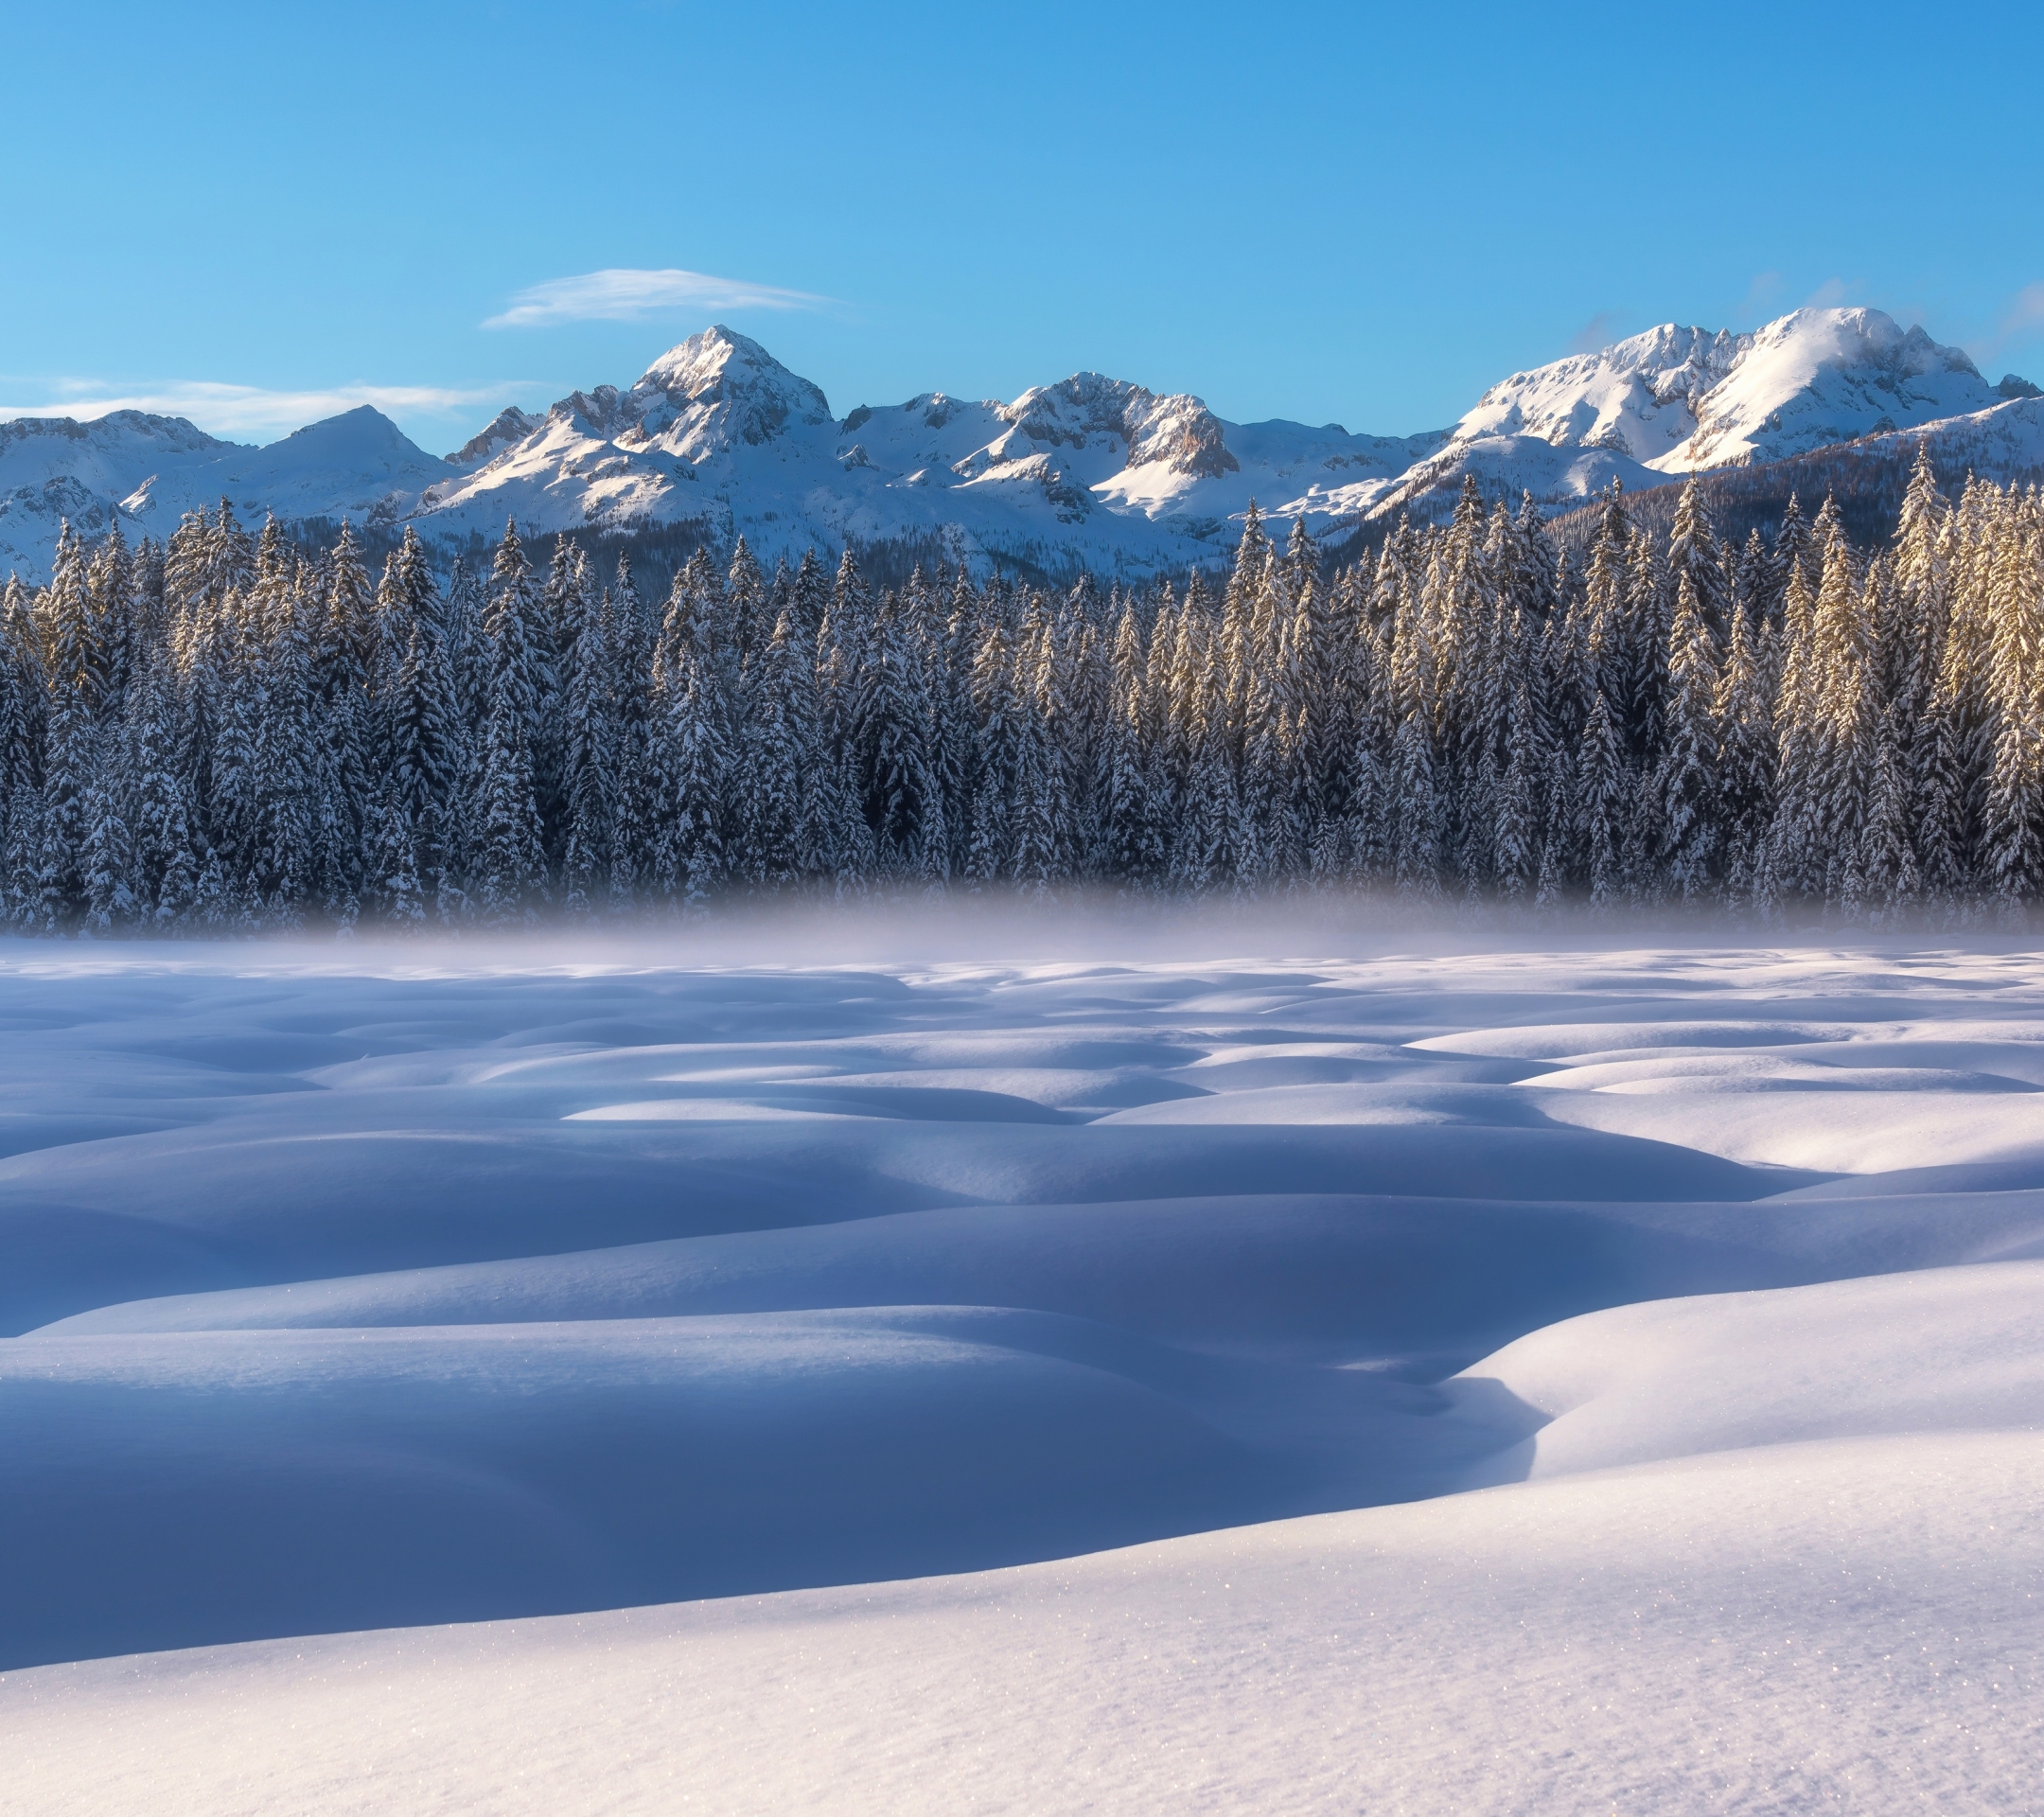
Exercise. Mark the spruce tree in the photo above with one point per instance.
(1684, 782)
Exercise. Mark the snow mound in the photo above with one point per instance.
(1787, 1629)
(1954, 1350)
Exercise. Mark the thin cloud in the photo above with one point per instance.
(2026, 311)
(1833, 293)
(241, 410)
(1595, 334)
(1763, 294)
(2016, 328)
(626, 295)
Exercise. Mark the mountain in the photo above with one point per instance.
(717, 433)
(717, 436)
(1678, 400)
(150, 471)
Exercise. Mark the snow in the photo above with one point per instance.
(1850, 1623)
(802, 1369)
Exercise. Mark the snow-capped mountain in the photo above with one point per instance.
(717, 433)
(151, 471)
(1679, 400)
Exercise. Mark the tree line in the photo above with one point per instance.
(225, 732)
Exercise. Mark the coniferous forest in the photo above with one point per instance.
(223, 733)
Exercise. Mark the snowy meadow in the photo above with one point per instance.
(796, 1365)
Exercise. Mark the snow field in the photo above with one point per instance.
(364, 1291)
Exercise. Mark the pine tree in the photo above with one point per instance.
(1516, 839)
(510, 863)
(1416, 840)
(589, 753)
(164, 865)
(778, 749)
(2013, 831)
(1135, 845)
(1684, 783)
(76, 674)
(690, 860)
(1605, 805)
(1745, 758)
(428, 768)
(1886, 857)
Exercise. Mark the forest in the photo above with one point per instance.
(227, 732)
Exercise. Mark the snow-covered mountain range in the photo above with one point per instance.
(1098, 472)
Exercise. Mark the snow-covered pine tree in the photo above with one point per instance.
(1416, 836)
(589, 753)
(70, 761)
(164, 862)
(111, 582)
(286, 743)
(1516, 839)
(997, 734)
(509, 866)
(1695, 554)
(1135, 845)
(1887, 853)
(1684, 779)
(1848, 710)
(631, 640)
(689, 854)
(778, 747)
(1745, 727)
(424, 813)
(2013, 810)
(1605, 805)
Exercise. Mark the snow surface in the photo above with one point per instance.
(1465, 1451)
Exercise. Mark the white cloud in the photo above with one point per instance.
(241, 410)
(624, 295)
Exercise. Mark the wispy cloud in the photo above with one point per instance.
(1595, 334)
(2025, 314)
(237, 409)
(2016, 326)
(625, 295)
(1835, 293)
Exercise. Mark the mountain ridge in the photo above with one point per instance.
(719, 437)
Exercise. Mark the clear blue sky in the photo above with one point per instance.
(260, 214)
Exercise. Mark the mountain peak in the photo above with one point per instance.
(707, 356)
(1180, 430)
(509, 427)
(720, 385)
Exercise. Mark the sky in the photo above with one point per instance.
(257, 216)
